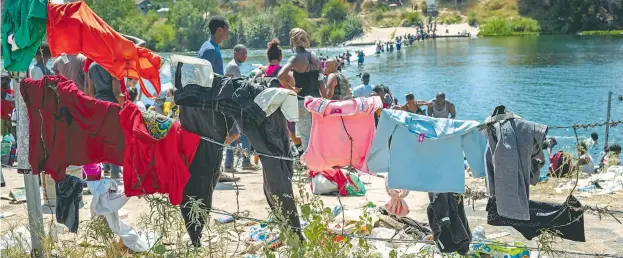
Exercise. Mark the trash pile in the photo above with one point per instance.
(390, 235)
(608, 182)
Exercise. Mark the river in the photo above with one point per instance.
(554, 80)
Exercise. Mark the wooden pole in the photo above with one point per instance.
(31, 182)
(608, 119)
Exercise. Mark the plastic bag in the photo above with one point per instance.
(358, 189)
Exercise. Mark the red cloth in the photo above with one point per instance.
(91, 36)
(5, 105)
(69, 128)
(156, 166)
(336, 176)
(87, 63)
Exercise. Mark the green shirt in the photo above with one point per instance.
(26, 21)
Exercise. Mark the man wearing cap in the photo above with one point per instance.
(365, 89)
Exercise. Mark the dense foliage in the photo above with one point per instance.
(570, 16)
(512, 17)
(253, 23)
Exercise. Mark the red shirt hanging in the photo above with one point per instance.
(158, 154)
(91, 36)
(6, 105)
(69, 128)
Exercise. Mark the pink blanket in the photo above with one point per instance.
(334, 124)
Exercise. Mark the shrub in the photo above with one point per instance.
(335, 10)
(472, 19)
(412, 19)
(450, 18)
(352, 26)
(499, 26)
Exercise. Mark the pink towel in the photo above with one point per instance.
(334, 124)
(396, 204)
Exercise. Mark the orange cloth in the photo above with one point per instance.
(74, 28)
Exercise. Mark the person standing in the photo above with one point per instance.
(442, 108)
(39, 69)
(235, 135)
(365, 89)
(133, 92)
(360, 57)
(7, 105)
(103, 86)
(211, 51)
(308, 80)
(337, 84)
(71, 66)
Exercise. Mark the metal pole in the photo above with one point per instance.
(31, 182)
(608, 119)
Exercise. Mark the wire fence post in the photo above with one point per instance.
(608, 119)
(31, 182)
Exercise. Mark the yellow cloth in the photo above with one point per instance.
(166, 108)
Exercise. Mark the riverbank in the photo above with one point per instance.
(246, 196)
(374, 34)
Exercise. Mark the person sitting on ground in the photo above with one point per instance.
(337, 84)
(585, 162)
(365, 89)
(560, 163)
(442, 108)
(413, 106)
(611, 157)
(133, 92)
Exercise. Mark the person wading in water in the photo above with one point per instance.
(308, 80)
(337, 83)
(442, 108)
(413, 106)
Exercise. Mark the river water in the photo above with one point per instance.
(554, 80)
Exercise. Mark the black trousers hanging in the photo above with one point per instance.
(268, 137)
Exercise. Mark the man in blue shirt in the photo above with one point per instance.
(210, 50)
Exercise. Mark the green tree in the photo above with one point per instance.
(113, 12)
(335, 10)
(189, 19)
(289, 16)
(162, 37)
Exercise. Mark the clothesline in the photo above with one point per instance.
(247, 153)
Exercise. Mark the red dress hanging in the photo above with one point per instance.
(158, 154)
(69, 128)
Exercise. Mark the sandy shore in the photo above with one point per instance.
(603, 236)
(374, 34)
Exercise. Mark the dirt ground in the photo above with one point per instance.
(603, 235)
